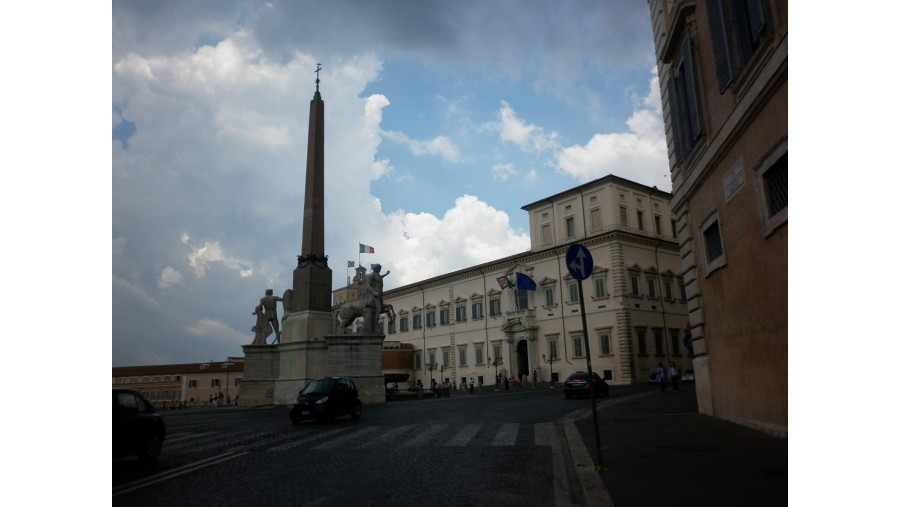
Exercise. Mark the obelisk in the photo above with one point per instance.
(312, 277)
(302, 351)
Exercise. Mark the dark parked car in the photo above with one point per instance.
(580, 384)
(137, 428)
(325, 399)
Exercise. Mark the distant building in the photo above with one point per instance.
(191, 383)
(465, 325)
(723, 74)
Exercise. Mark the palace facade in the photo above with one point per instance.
(468, 325)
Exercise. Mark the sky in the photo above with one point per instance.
(442, 119)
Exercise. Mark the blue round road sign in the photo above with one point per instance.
(579, 261)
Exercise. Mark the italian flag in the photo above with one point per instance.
(366, 249)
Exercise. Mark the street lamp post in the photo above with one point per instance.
(550, 361)
(495, 363)
(431, 367)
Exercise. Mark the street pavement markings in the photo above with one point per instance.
(340, 440)
(506, 435)
(423, 437)
(388, 437)
(464, 436)
(311, 438)
(183, 437)
(175, 472)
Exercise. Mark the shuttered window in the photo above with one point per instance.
(736, 28)
(684, 103)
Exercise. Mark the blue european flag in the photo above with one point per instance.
(524, 281)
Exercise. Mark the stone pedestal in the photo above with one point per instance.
(358, 356)
(261, 371)
(302, 353)
(299, 362)
(306, 326)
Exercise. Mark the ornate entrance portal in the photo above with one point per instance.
(522, 368)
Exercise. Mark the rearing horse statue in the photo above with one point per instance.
(351, 310)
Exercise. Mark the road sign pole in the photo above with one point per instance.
(580, 264)
(587, 351)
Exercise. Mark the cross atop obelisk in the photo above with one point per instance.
(312, 277)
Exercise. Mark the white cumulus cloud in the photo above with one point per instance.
(639, 154)
(169, 277)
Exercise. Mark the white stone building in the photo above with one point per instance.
(463, 325)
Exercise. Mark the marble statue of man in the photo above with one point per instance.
(375, 285)
(270, 303)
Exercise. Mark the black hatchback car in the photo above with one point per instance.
(325, 399)
(580, 384)
(137, 428)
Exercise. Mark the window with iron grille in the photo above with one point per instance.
(713, 240)
(776, 181)
(641, 340)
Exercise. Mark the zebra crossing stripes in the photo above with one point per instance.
(464, 436)
(340, 440)
(506, 435)
(424, 437)
(302, 441)
(389, 437)
(418, 435)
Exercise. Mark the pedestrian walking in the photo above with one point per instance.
(471, 386)
(506, 383)
(661, 376)
(674, 376)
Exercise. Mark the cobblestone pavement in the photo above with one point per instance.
(487, 449)
(657, 449)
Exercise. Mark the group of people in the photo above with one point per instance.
(671, 373)
(220, 400)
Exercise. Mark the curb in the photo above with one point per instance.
(593, 489)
